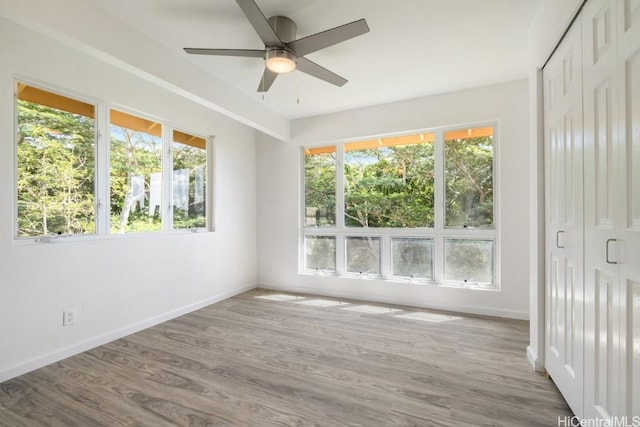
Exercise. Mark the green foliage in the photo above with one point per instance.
(193, 159)
(394, 186)
(320, 189)
(390, 187)
(56, 175)
(469, 182)
(56, 164)
(132, 154)
(181, 221)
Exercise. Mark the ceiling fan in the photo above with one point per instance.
(282, 52)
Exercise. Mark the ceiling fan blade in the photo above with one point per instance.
(267, 80)
(260, 23)
(315, 70)
(315, 42)
(249, 53)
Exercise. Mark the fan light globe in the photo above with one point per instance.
(280, 61)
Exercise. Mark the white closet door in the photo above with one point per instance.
(603, 197)
(564, 226)
(629, 171)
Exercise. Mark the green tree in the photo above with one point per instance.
(132, 154)
(194, 160)
(320, 189)
(390, 187)
(469, 182)
(56, 164)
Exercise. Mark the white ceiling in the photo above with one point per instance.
(415, 47)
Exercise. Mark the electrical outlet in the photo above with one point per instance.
(69, 317)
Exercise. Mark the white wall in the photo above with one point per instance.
(279, 188)
(551, 20)
(123, 283)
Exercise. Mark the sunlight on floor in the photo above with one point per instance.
(280, 297)
(428, 317)
(322, 302)
(361, 308)
(371, 309)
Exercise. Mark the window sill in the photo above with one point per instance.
(403, 280)
(54, 239)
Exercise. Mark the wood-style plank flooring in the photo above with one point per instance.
(256, 360)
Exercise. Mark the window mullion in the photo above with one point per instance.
(103, 206)
(385, 256)
(210, 183)
(167, 179)
(340, 254)
(340, 187)
(340, 239)
(439, 201)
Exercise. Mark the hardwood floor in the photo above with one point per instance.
(256, 360)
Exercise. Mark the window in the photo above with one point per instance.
(63, 189)
(320, 191)
(135, 173)
(412, 257)
(320, 253)
(389, 183)
(468, 159)
(468, 261)
(55, 164)
(416, 208)
(189, 193)
(363, 255)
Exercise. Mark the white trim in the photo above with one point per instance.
(210, 182)
(47, 359)
(302, 215)
(166, 185)
(534, 360)
(103, 175)
(537, 269)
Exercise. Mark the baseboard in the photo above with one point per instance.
(41, 361)
(534, 360)
(483, 311)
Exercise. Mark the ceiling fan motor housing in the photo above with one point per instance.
(284, 27)
(282, 56)
(280, 59)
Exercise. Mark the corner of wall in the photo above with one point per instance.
(534, 360)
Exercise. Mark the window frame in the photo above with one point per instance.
(409, 278)
(101, 172)
(439, 232)
(207, 181)
(316, 271)
(165, 184)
